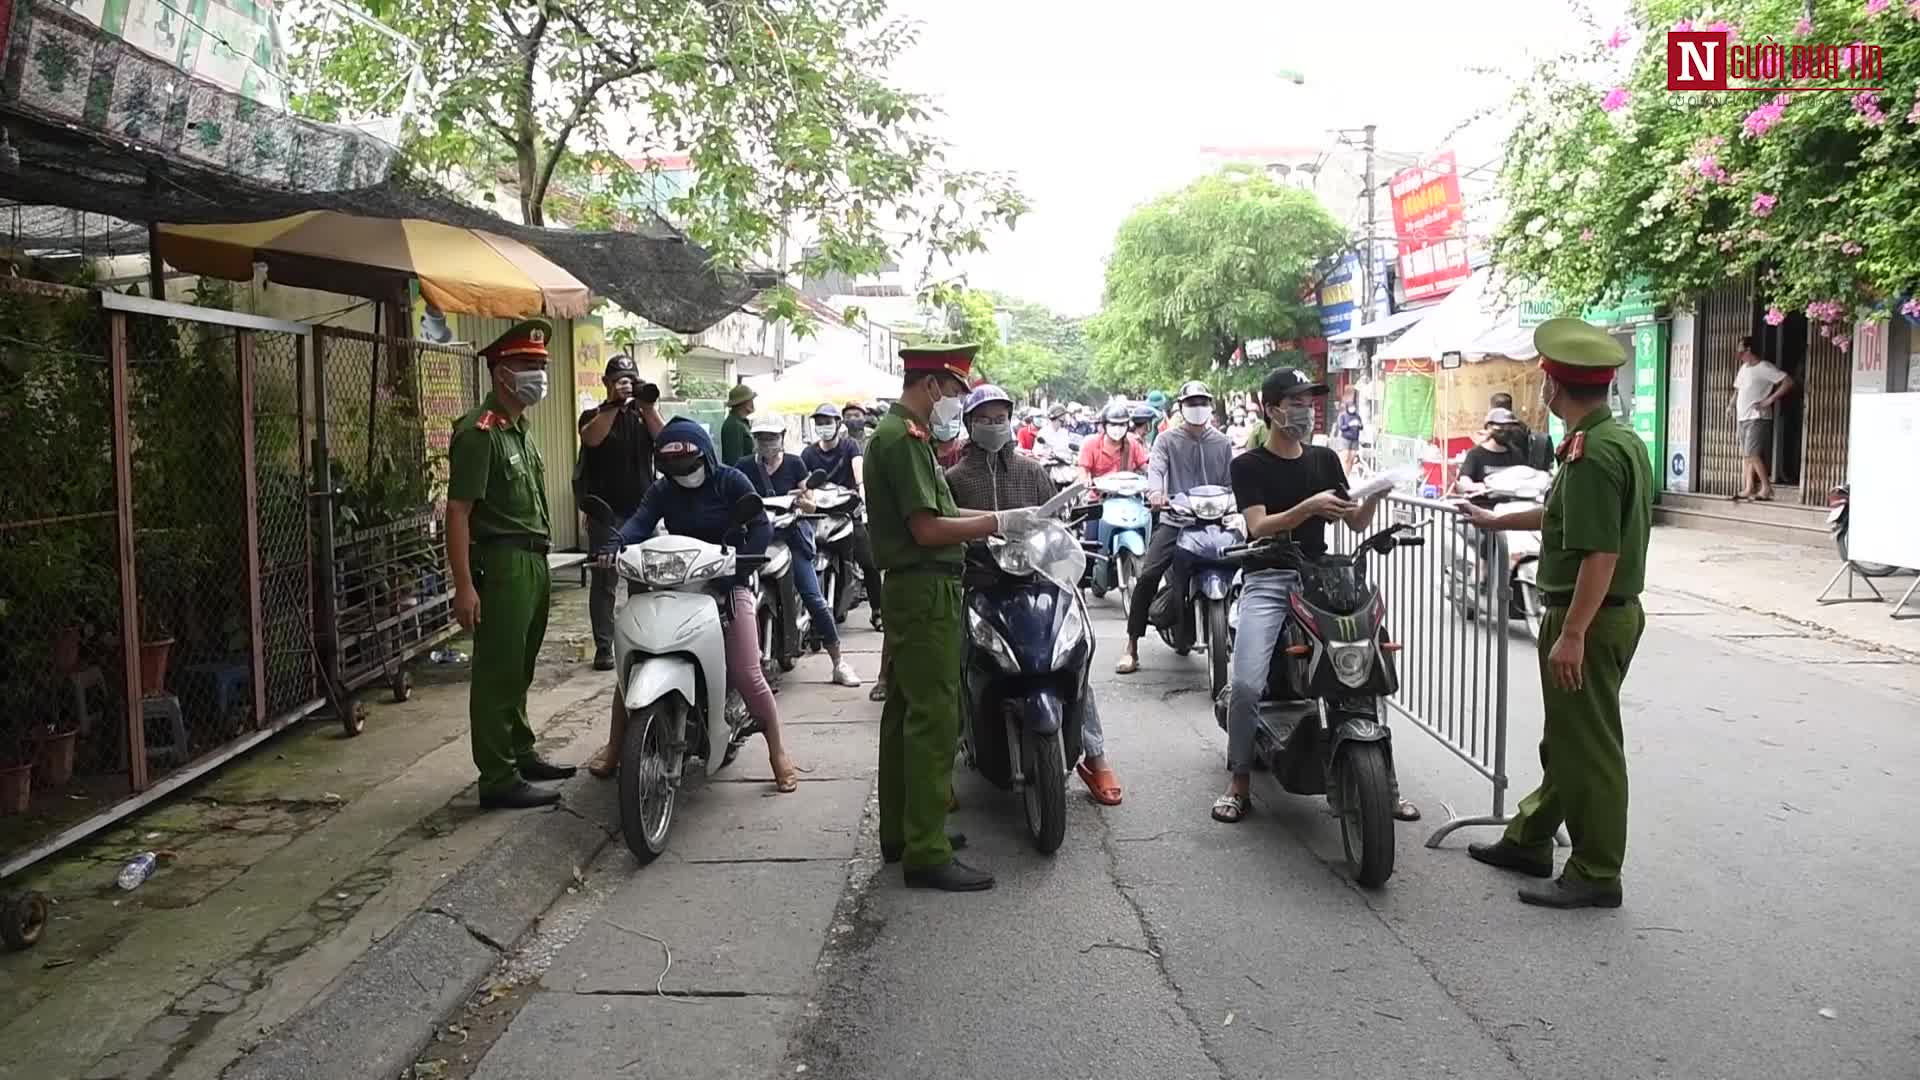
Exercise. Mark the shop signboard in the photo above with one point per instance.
(1428, 219)
(1679, 456)
(1649, 391)
(1869, 353)
(1339, 295)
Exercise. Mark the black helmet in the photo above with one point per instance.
(621, 366)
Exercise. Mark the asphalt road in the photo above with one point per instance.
(1768, 929)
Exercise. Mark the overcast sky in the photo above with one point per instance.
(1099, 107)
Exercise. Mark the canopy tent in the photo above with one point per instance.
(1474, 321)
(800, 388)
(1380, 328)
(460, 270)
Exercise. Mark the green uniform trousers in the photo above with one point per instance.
(514, 588)
(1583, 754)
(920, 727)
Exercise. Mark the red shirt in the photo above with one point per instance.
(1099, 456)
(1027, 434)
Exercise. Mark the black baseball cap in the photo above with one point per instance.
(1286, 382)
(620, 365)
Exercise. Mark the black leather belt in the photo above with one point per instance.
(1565, 599)
(538, 544)
(952, 570)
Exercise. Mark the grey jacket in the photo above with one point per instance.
(1179, 462)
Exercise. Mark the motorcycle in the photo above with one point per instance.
(1511, 490)
(841, 581)
(1208, 527)
(1124, 524)
(671, 669)
(1029, 650)
(1839, 501)
(1321, 729)
(1063, 467)
(782, 620)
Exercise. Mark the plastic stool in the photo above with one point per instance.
(165, 708)
(232, 683)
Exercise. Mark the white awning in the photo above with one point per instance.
(1380, 328)
(1473, 321)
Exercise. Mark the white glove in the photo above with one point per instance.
(1018, 522)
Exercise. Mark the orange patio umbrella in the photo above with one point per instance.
(459, 269)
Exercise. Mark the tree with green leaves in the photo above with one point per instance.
(783, 109)
(1198, 273)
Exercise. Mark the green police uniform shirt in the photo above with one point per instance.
(1602, 501)
(495, 466)
(736, 438)
(903, 479)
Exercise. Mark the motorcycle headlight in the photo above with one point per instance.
(986, 638)
(1211, 507)
(1073, 630)
(665, 568)
(1351, 661)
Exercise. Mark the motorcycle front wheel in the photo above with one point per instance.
(1366, 811)
(1126, 570)
(1219, 645)
(650, 758)
(1043, 758)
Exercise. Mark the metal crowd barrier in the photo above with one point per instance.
(1453, 626)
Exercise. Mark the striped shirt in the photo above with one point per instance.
(1007, 480)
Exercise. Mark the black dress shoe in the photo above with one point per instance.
(1511, 857)
(537, 768)
(954, 876)
(955, 840)
(521, 796)
(1565, 892)
(603, 659)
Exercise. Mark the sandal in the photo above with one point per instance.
(1231, 809)
(1127, 665)
(879, 691)
(786, 780)
(604, 764)
(1405, 811)
(1101, 783)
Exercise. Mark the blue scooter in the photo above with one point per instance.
(1029, 650)
(1121, 532)
(1209, 524)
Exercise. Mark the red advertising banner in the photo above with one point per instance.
(1428, 221)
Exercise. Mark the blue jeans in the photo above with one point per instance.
(1263, 617)
(806, 582)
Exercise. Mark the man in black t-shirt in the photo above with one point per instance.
(1502, 446)
(616, 464)
(1284, 487)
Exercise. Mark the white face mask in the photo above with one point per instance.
(770, 453)
(1196, 414)
(693, 479)
(946, 431)
(992, 437)
(530, 386)
(947, 410)
(825, 432)
(1116, 432)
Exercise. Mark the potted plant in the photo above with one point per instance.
(16, 761)
(160, 566)
(16, 787)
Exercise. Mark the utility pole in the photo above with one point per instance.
(780, 328)
(1366, 265)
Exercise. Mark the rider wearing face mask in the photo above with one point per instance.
(1501, 446)
(498, 535)
(834, 452)
(776, 472)
(949, 440)
(695, 496)
(1183, 458)
(1114, 449)
(1288, 488)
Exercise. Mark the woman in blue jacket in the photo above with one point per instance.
(695, 496)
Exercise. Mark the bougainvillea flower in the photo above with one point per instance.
(1619, 36)
(1875, 7)
(1615, 100)
(1763, 204)
(1775, 316)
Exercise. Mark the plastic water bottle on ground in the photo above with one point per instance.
(137, 871)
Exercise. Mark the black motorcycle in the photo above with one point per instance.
(1198, 614)
(841, 581)
(784, 625)
(1322, 730)
(1029, 649)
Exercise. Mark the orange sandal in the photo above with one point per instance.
(786, 780)
(603, 764)
(1102, 783)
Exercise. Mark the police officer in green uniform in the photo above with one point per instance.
(1593, 558)
(497, 541)
(919, 539)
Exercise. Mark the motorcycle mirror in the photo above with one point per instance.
(816, 478)
(744, 511)
(598, 511)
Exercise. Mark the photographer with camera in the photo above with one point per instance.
(616, 464)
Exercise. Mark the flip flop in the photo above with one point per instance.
(1405, 811)
(879, 691)
(603, 765)
(1231, 809)
(786, 781)
(1101, 783)
(1127, 666)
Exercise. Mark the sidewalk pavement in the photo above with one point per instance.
(1782, 581)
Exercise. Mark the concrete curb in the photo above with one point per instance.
(376, 1018)
(1834, 632)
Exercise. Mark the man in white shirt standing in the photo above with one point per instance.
(1757, 387)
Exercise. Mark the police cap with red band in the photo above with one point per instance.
(1577, 353)
(954, 360)
(528, 338)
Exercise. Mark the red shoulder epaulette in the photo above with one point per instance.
(1572, 447)
(917, 431)
(489, 419)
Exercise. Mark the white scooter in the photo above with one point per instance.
(671, 669)
(1515, 489)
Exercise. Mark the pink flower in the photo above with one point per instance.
(1875, 7)
(1619, 36)
(1763, 204)
(1913, 8)
(1843, 340)
(1824, 311)
(1911, 309)
(1615, 100)
(1804, 27)
(1762, 120)
(1683, 26)
(1851, 248)
(1867, 104)
(1710, 168)
(1720, 26)
(1913, 114)
(1775, 316)
(1586, 236)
